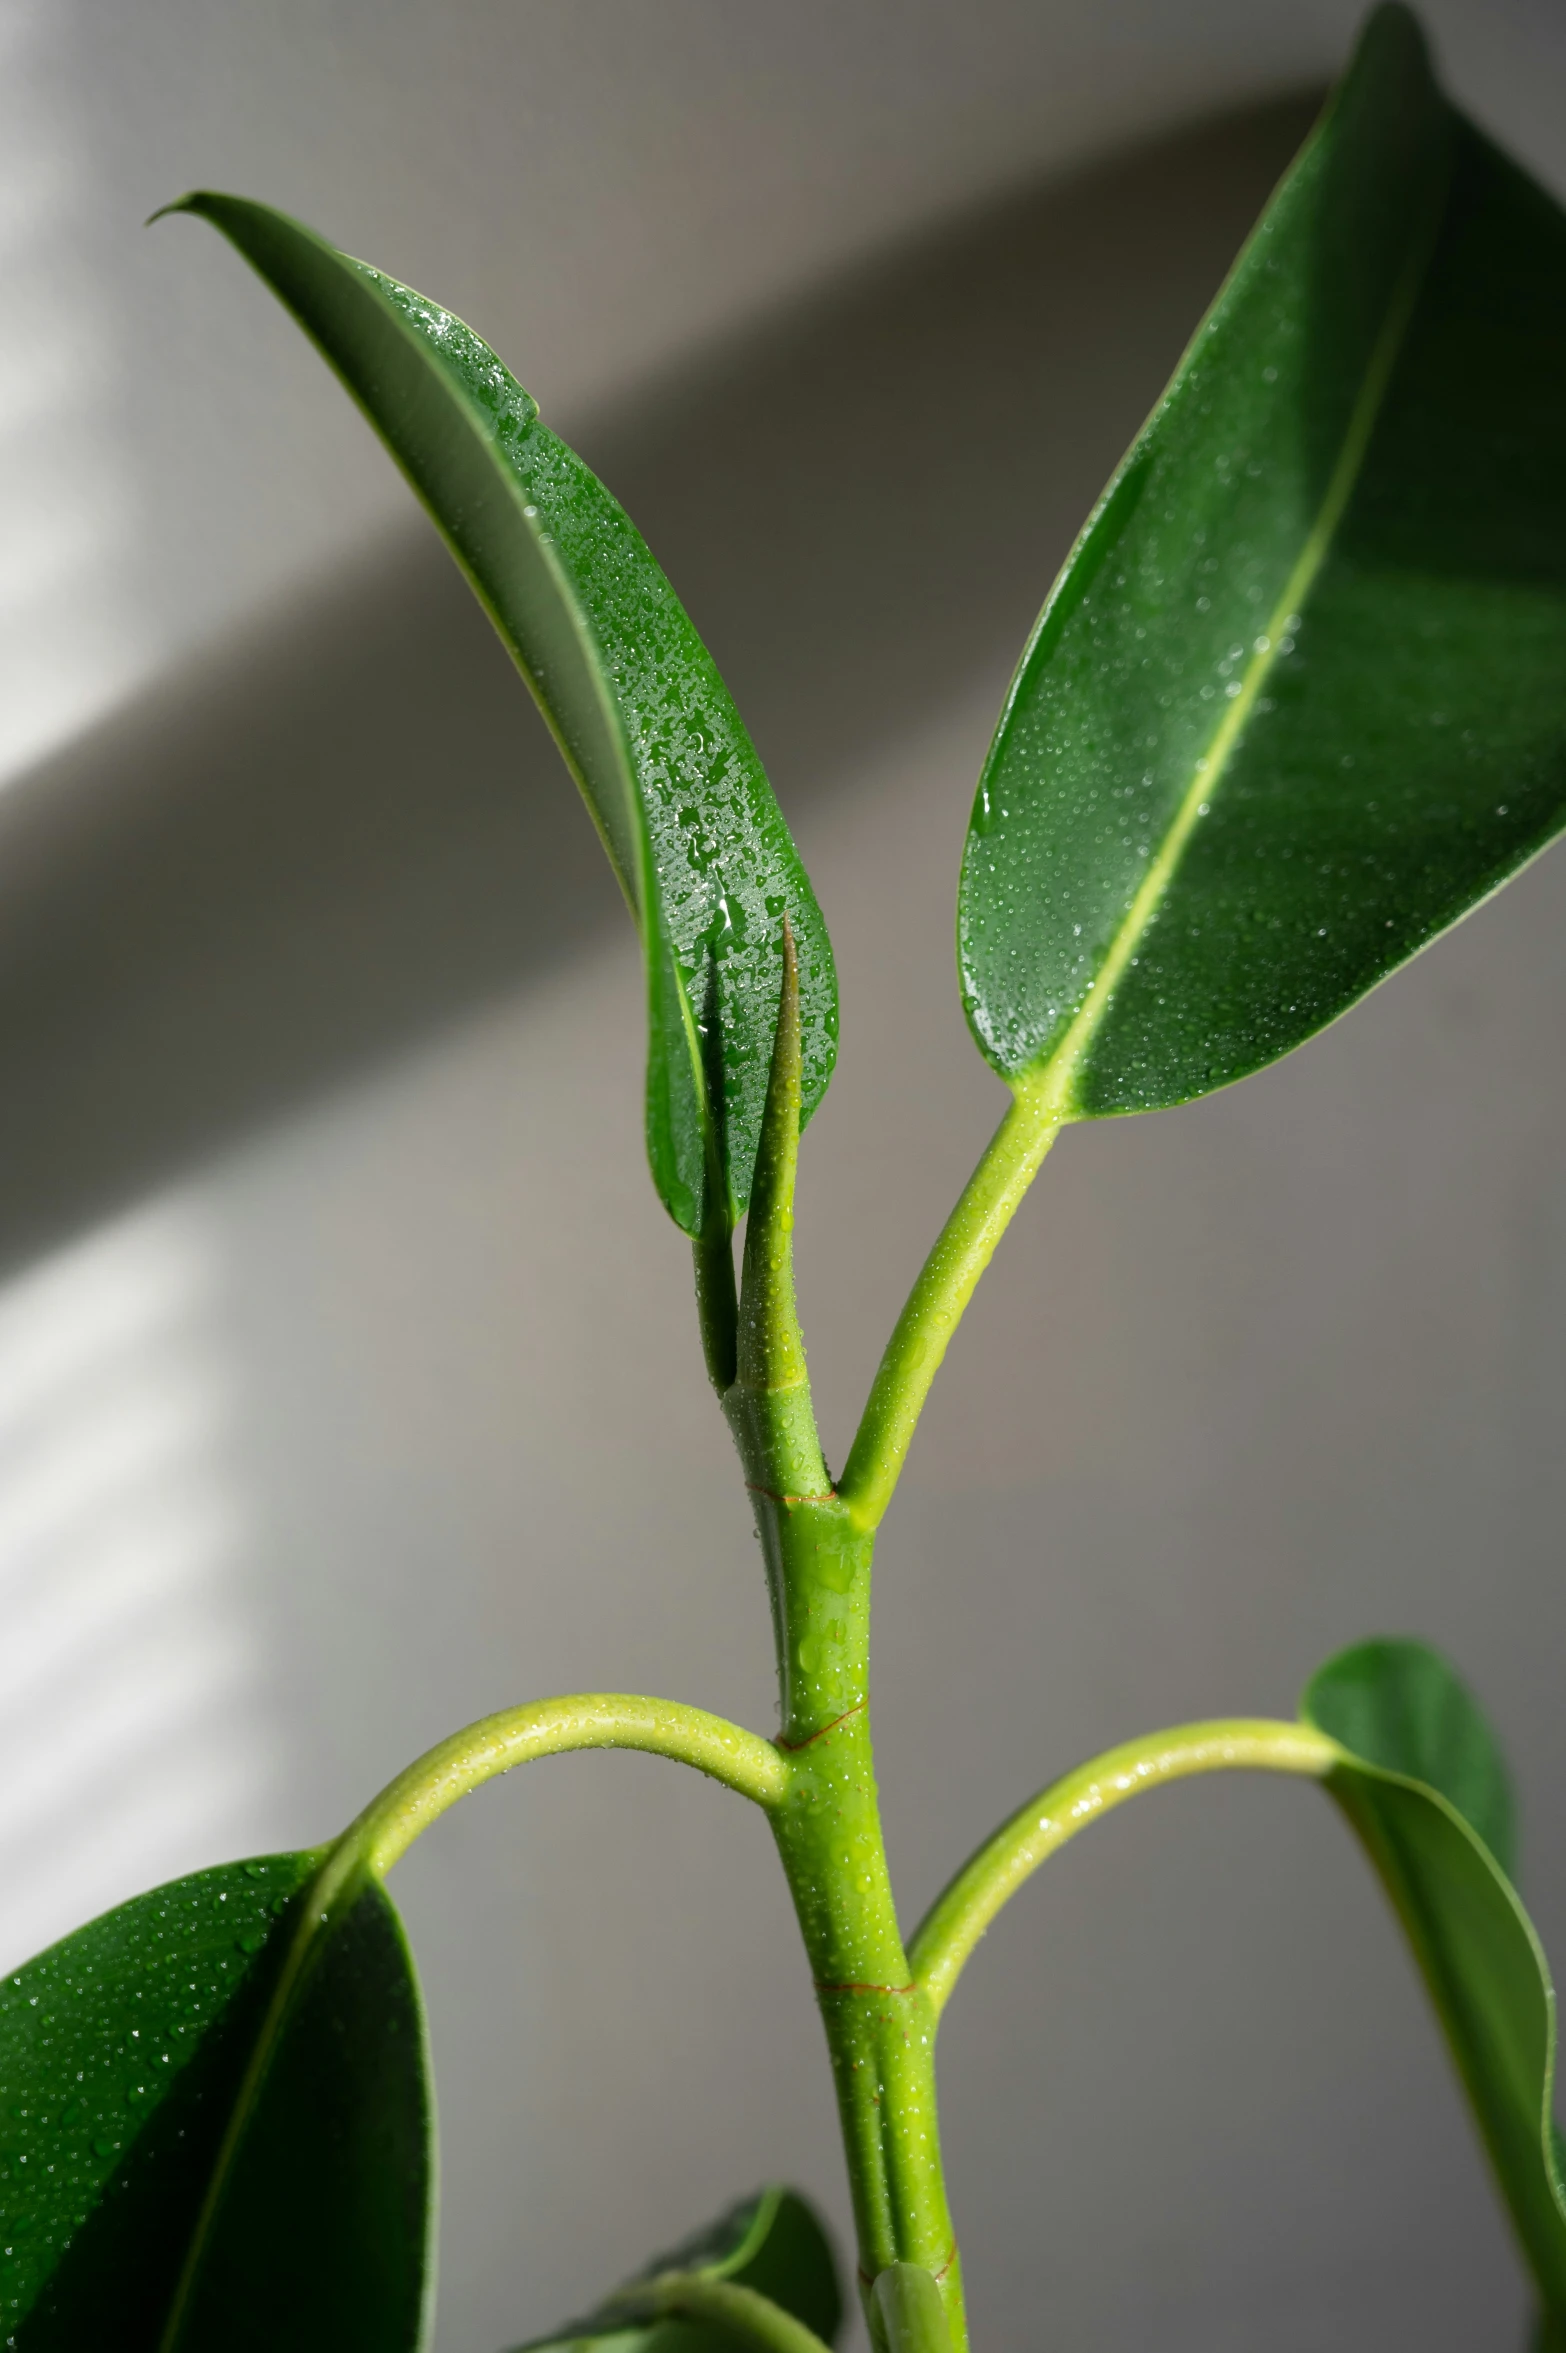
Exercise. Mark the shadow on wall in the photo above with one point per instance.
(351, 828)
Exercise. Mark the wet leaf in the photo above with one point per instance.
(216, 2127)
(631, 694)
(1298, 700)
(773, 2243)
(1425, 1787)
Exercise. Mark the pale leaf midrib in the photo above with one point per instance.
(1053, 1079)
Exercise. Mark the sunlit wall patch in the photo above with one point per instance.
(135, 1739)
(71, 637)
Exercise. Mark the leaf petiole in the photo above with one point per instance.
(741, 2313)
(945, 1284)
(741, 1760)
(419, 1795)
(959, 1917)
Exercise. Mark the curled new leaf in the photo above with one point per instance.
(773, 2245)
(631, 694)
(1423, 1784)
(910, 2309)
(1298, 700)
(218, 2125)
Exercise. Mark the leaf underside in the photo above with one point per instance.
(1427, 1792)
(631, 694)
(1298, 700)
(124, 2052)
(773, 2243)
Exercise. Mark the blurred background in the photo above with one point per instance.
(349, 1385)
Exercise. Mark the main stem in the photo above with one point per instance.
(880, 2027)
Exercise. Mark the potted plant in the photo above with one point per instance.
(1296, 703)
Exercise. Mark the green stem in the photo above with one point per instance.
(739, 2311)
(389, 1825)
(959, 1917)
(879, 2029)
(879, 2026)
(945, 1285)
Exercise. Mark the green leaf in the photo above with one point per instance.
(1425, 1787)
(1298, 700)
(631, 694)
(216, 2135)
(773, 2243)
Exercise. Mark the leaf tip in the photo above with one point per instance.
(205, 203)
(186, 203)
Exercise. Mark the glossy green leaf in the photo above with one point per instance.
(773, 2243)
(632, 695)
(1426, 1789)
(1298, 700)
(216, 2130)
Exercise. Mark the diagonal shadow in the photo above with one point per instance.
(350, 828)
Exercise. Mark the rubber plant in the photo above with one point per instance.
(1296, 703)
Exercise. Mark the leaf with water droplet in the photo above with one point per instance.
(632, 696)
(279, 2164)
(1312, 800)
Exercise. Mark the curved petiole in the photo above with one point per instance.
(959, 1917)
(945, 1284)
(741, 1760)
(422, 1793)
(743, 2314)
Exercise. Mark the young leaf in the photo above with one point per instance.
(1298, 700)
(217, 2134)
(1425, 1788)
(911, 2311)
(773, 2244)
(631, 694)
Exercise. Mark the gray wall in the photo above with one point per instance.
(348, 1379)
